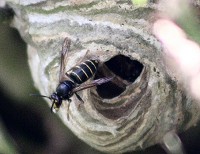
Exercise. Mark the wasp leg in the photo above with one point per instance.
(69, 101)
(80, 99)
(52, 107)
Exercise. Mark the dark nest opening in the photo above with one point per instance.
(125, 71)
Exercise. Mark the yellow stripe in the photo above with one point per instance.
(77, 76)
(92, 63)
(83, 71)
(88, 68)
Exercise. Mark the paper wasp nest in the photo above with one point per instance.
(140, 105)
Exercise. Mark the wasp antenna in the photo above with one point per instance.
(38, 95)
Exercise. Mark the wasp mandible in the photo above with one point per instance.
(71, 82)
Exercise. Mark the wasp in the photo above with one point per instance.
(72, 81)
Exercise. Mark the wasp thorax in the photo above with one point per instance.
(64, 89)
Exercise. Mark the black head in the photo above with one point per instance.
(56, 101)
(63, 92)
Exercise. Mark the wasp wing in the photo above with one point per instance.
(92, 84)
(64, 55)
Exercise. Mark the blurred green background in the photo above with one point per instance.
(26, 123)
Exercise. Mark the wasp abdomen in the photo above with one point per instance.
(84, 71)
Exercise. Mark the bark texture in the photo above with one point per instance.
(142, 103)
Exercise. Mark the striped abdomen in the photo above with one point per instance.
(84, 71)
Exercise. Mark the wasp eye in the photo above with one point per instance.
(54, 97)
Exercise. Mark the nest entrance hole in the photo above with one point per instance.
(126, 70)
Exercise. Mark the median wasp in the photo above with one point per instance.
(72, 81)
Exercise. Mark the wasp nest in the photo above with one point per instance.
(142, 102)
(133, 111)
